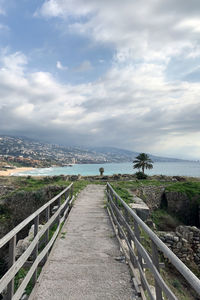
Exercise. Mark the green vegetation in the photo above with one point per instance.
(191, 189)
(19, 278)
(141, 175)
(123, 193)
(63, 235)
(175, 282)
(21, 275)
(164, 221)
(142, 161)
(29, 184)
(131, 184)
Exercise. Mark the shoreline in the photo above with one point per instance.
(10, 172)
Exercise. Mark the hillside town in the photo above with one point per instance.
(15, 151)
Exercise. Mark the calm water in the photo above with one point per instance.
(164, 168)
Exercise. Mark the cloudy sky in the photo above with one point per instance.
(113, 73)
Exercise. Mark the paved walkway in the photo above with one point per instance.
(83, 264)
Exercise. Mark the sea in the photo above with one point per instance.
(180, 168)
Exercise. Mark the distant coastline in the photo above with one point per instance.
(181, 168)
(10, 172)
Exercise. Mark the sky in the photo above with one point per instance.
(102, 73)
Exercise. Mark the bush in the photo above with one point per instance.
(141, 175)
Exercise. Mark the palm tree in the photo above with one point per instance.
(143, 161)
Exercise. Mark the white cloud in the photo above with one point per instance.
(192, 24)
(151, 30)
(134, 104)
(132, 107)
(14, 62)
(60, 66)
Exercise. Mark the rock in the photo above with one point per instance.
(185, 243)
(179, 178)
(22, 245)
(176, 238)
(74, 178)
(116, 177)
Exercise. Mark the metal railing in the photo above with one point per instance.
(130, 228)
(53, 212)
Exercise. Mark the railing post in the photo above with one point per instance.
(35, 251)
(155, 258)
(107, 190)
(47, 216)
(66, 194)
(71, 191)
(12, 247)
(59, 204)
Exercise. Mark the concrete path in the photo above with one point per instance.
(83, 264)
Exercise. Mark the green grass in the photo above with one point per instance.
(191, 189)
(122, 192)
(19, 278)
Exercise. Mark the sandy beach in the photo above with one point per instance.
(9, 172)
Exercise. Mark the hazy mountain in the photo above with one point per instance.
(28, 148)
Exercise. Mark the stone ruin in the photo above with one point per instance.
(185, 243)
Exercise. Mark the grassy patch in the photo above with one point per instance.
(123, 193)
(175, 282)
(19, 278)
(189, 188)
(164, 221)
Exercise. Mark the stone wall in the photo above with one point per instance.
(183, 207)
(152, 195)
(185, 243)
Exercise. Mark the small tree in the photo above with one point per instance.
(142, 161)
(101, 170)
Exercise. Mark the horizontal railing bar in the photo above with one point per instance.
(145, 256)
(180, 266)
(22, 259)
(26, 280)
(19, 227)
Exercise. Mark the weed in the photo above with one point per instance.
(63, 234)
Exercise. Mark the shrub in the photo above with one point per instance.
(141, 175)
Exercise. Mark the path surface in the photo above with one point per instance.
(83, 264)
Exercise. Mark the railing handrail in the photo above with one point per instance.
(51, 218)
(180, 266)
(4, 240)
